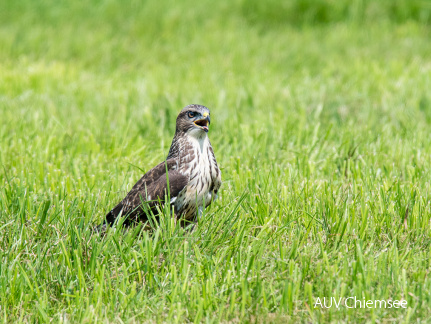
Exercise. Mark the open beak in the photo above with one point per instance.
(203, 123)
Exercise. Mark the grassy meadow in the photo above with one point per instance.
(321, 119)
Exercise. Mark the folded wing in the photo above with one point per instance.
(151, 191)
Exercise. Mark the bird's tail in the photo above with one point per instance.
(109, 218)
(113, 214)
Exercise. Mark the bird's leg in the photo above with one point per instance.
(200, 213)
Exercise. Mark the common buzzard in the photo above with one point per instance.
(190, 169)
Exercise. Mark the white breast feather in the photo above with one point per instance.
(195, 194)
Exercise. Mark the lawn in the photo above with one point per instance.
(320, 122)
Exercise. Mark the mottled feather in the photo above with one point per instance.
(151, 189)
(192, 172)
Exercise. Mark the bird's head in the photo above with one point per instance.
(194, 120)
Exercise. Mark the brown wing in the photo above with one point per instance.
(151, 189)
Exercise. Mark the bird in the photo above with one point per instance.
(190, 170)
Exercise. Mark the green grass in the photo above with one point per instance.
(321, 116)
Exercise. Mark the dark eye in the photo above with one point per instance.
(191, 114)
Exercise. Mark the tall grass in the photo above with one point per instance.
(321, 12)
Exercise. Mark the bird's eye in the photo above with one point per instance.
(191, 114)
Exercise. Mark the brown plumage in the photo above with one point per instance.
(192, 172)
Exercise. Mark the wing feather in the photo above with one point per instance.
(151, 189)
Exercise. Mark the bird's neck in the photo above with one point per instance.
(183, 142)
(200, 142)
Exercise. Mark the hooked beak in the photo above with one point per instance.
(204, 123)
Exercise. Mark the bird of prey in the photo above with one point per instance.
(190, 170)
